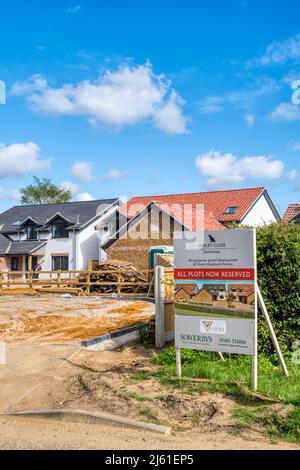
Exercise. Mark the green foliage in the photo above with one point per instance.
(168, 356)
(278, 269)
(143, 331)
(271, 380)
(277, 425)
(136, 396)
(44, 191)
(278, 265)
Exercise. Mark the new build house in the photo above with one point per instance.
(243, 293)
(56, 236)
(292, 214)
(154, 225)
(119, 234)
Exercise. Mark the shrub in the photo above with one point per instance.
(278, 266)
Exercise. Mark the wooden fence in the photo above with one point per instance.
(68, 281)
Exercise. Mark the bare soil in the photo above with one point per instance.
(47, 370)
(56, 320)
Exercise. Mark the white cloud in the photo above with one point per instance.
(84, 197)
(115, 175)
(68, 186)
(279, 53)
(244, 99)
(122, 97)
(13, 195)
(169, 118)
(250, 119)
(72, 10)
(223, 170)
(292, 174)
(18, 160)
(247, 97)
(211, 104)
(82, 171)
(286, 112)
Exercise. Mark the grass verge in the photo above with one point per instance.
(233, 378)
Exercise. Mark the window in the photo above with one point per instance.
(231, 210)
(31, 232)
(14, 263)
(59, 230)
(60, 263)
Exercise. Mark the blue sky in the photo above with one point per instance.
(149, 97)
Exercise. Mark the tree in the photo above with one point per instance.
(44, 191)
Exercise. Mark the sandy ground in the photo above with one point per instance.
(28, 433)
(57, 320)
(56, 376)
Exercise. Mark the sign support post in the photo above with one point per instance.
(264, 310)
(254, 377)
(178, 362)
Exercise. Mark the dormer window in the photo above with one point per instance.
(31, 232)
(231, 210)
(59, 230)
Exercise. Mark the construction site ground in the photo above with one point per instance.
(66, 320)
(47, 370)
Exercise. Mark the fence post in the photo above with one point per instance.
(30, 280)
(88, 282)
(159, 307)
(58, 278)
(119, 284)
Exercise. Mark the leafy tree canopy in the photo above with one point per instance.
(44, 191)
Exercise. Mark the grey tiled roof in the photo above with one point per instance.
(24, 248)
(9, 247)
(78, 213)
(4, 244)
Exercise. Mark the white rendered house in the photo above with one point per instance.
(56, 236)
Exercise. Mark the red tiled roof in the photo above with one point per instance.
(214, 201)
(247, 289)
(191, 218)
(291, 212)
(190, 289)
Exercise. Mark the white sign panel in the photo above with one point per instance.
(215, 297)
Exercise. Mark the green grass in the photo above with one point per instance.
(139, 376)
(150, 415)
(271, 381)
(275, 425)
(138, 397)
(233, 377)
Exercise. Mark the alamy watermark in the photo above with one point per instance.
(2, 92)
(296, 95)
(155, 221)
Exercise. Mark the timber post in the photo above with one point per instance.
(159, 307)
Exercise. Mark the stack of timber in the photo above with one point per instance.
(117, 277)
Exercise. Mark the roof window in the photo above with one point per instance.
(231, 210)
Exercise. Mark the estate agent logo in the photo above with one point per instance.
(2, 92)
(215, 327)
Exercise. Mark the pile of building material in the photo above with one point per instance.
(115, 276)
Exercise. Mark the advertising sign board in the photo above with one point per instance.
(215, 293)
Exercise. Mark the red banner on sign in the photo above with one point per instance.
(215, 274)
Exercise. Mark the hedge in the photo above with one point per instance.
(278, 266)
